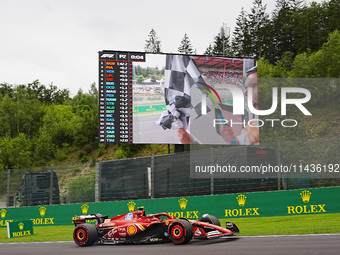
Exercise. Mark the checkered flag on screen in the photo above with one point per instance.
(181, 74)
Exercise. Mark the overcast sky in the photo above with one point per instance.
(56, 41)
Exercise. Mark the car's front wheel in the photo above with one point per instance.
(180, 231)
(210, 219)
(85, 234)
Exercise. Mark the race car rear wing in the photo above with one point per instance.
(93, 216)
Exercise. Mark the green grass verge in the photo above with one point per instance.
(288, 225)
(280, 225)
(41, 234)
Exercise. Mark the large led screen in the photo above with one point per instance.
(176, 99)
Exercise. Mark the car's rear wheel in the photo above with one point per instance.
(210, 219)
(180, 231)
(85, 234)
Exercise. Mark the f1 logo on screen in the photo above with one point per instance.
(107, 56)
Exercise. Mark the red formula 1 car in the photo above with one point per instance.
(136, 227)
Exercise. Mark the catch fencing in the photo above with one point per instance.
(160, 176)
(168, 176)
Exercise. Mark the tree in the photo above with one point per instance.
(185, 46)
(209, 50)
(93, 91)
(311, 29)
(140, 78)
(251, 36)
(44, 94)
(6, 89)
(153, 44)
(332, 17)
(20, 114)
(287, 60)
(76, 191)
(321, 64)
(241, 40)
(283, 30)
(221, 44)
(15, 152)
(44, 150)
(7, 119)
(259, 29)
(315, 23)
(61, 124)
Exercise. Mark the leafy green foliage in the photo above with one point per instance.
(16, 152)
(38, 132)
(128, 150)
(321, 64)
(293, 28)
(325, 92)
(81, 188)
(38, 124)
(152, 73)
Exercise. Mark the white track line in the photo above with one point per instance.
(40, 242)
(304, 235)
(336, 234)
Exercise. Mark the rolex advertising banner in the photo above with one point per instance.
(19, 228)
(257, 204)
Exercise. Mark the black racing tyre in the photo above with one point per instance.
(210, 219)
(180, 231)
(85, 234)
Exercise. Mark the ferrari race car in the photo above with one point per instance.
(137, 227)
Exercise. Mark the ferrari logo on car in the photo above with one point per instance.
(183, 203)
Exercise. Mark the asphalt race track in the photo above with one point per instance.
(293, 244)
(145, 130)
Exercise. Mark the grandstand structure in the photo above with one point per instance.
(221, 70)
(219, 63)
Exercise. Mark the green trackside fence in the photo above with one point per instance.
(257, 204)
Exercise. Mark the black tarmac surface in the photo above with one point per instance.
(293, 244)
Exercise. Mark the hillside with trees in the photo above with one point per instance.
(42, 125)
